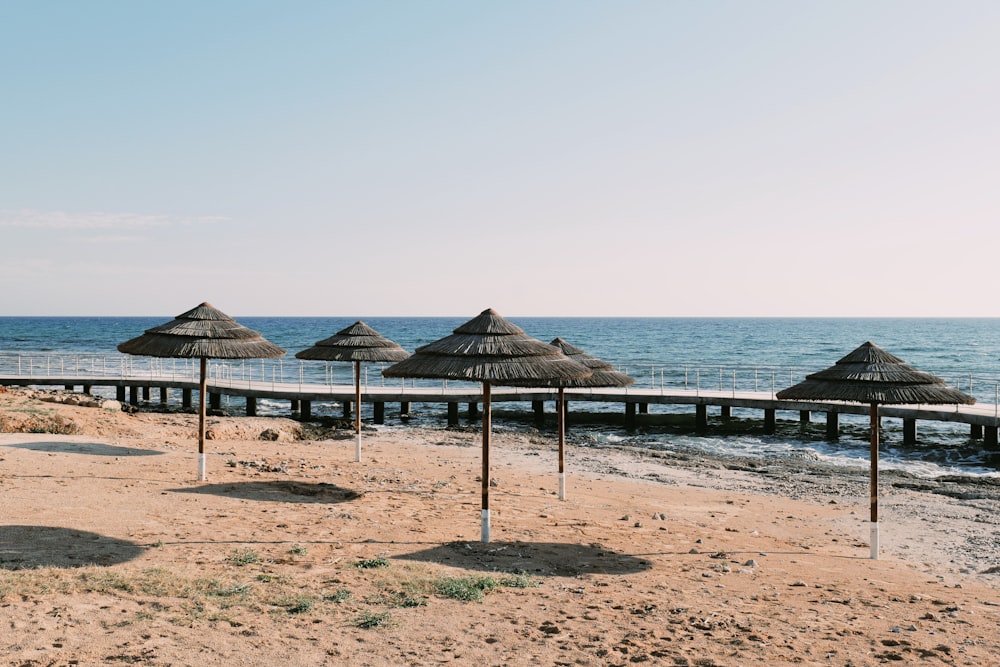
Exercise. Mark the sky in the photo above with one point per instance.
(541, 157)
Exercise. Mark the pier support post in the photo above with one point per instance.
(133, 395)
(378, 407)
(990, 437)
(770, 421)
(473, 410)
(832, 425)
(538, 407)
(975, 431)
(164, 395)
(145, 393)
(251, 406)
(452, 413)
(347, 409)
(909, 431)
(404, 409)
(215, 400)
(185, 398)
(630, 414)
(804, 416)
(294, 405)
(86, 388)
(305, 409)
(120, 393)
(68, 387)
(701, 417)
(644, 408)
(725, 411)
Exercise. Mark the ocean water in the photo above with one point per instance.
(711, 353)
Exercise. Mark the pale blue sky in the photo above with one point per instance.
(571, 157)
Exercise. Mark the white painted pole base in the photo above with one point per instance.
(201, 467)
(562, 486)
(357, 447)
(485, 535)
(874, 540)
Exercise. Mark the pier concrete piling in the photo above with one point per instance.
(909, 431)
(133, 395)
(804, 416)
(832, 425)
(701, 417)
(726, 411)
(378, 407)
(769, 420)
(215, 400)
(404, 409)
(538, 407)
(473, 410)
(120, 393)
(164, 395)
(186, 401)
(347, 409)
(251, 406)
(630, 414)
(452, 413)
(145, 393)
(305, 409)
(976, 431)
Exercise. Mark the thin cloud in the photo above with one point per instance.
(63, 220)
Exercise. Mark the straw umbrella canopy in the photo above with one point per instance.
(357, 343)
(602, 374)
(493, 351)
(871, 375)
(204, 333)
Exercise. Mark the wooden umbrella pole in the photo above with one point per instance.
(561, 420)
(485, 529)
(874, 481)
(357, 411)
(202, 388)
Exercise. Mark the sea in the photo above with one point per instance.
(759, 354)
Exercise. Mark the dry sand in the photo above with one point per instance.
(293, 554)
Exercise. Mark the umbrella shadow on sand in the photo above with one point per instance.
(91, 448)
(277, 491)
(28, 547)
(555, 559)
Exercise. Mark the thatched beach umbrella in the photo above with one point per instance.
(202, 333)
(602, 374)
(357, 343)
(493, 351)
(871, 375)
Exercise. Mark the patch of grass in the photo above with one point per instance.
(371, 563)
(105, 582)
(396, 598)
(519, 580)
(221, 590)
(297, 605)
(340, 595)
(241, 557)
(371, 619)
(473, 588)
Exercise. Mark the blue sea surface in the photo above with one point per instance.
(712, 353)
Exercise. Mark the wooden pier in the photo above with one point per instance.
(982, 419)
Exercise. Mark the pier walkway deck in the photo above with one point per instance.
(983, 419)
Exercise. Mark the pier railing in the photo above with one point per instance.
(663, 377)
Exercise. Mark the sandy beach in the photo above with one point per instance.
(292, 553)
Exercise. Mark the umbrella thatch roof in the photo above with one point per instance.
(603, 374)
(869, 374)
(489, 348)
(358, 342)
(202, 332)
